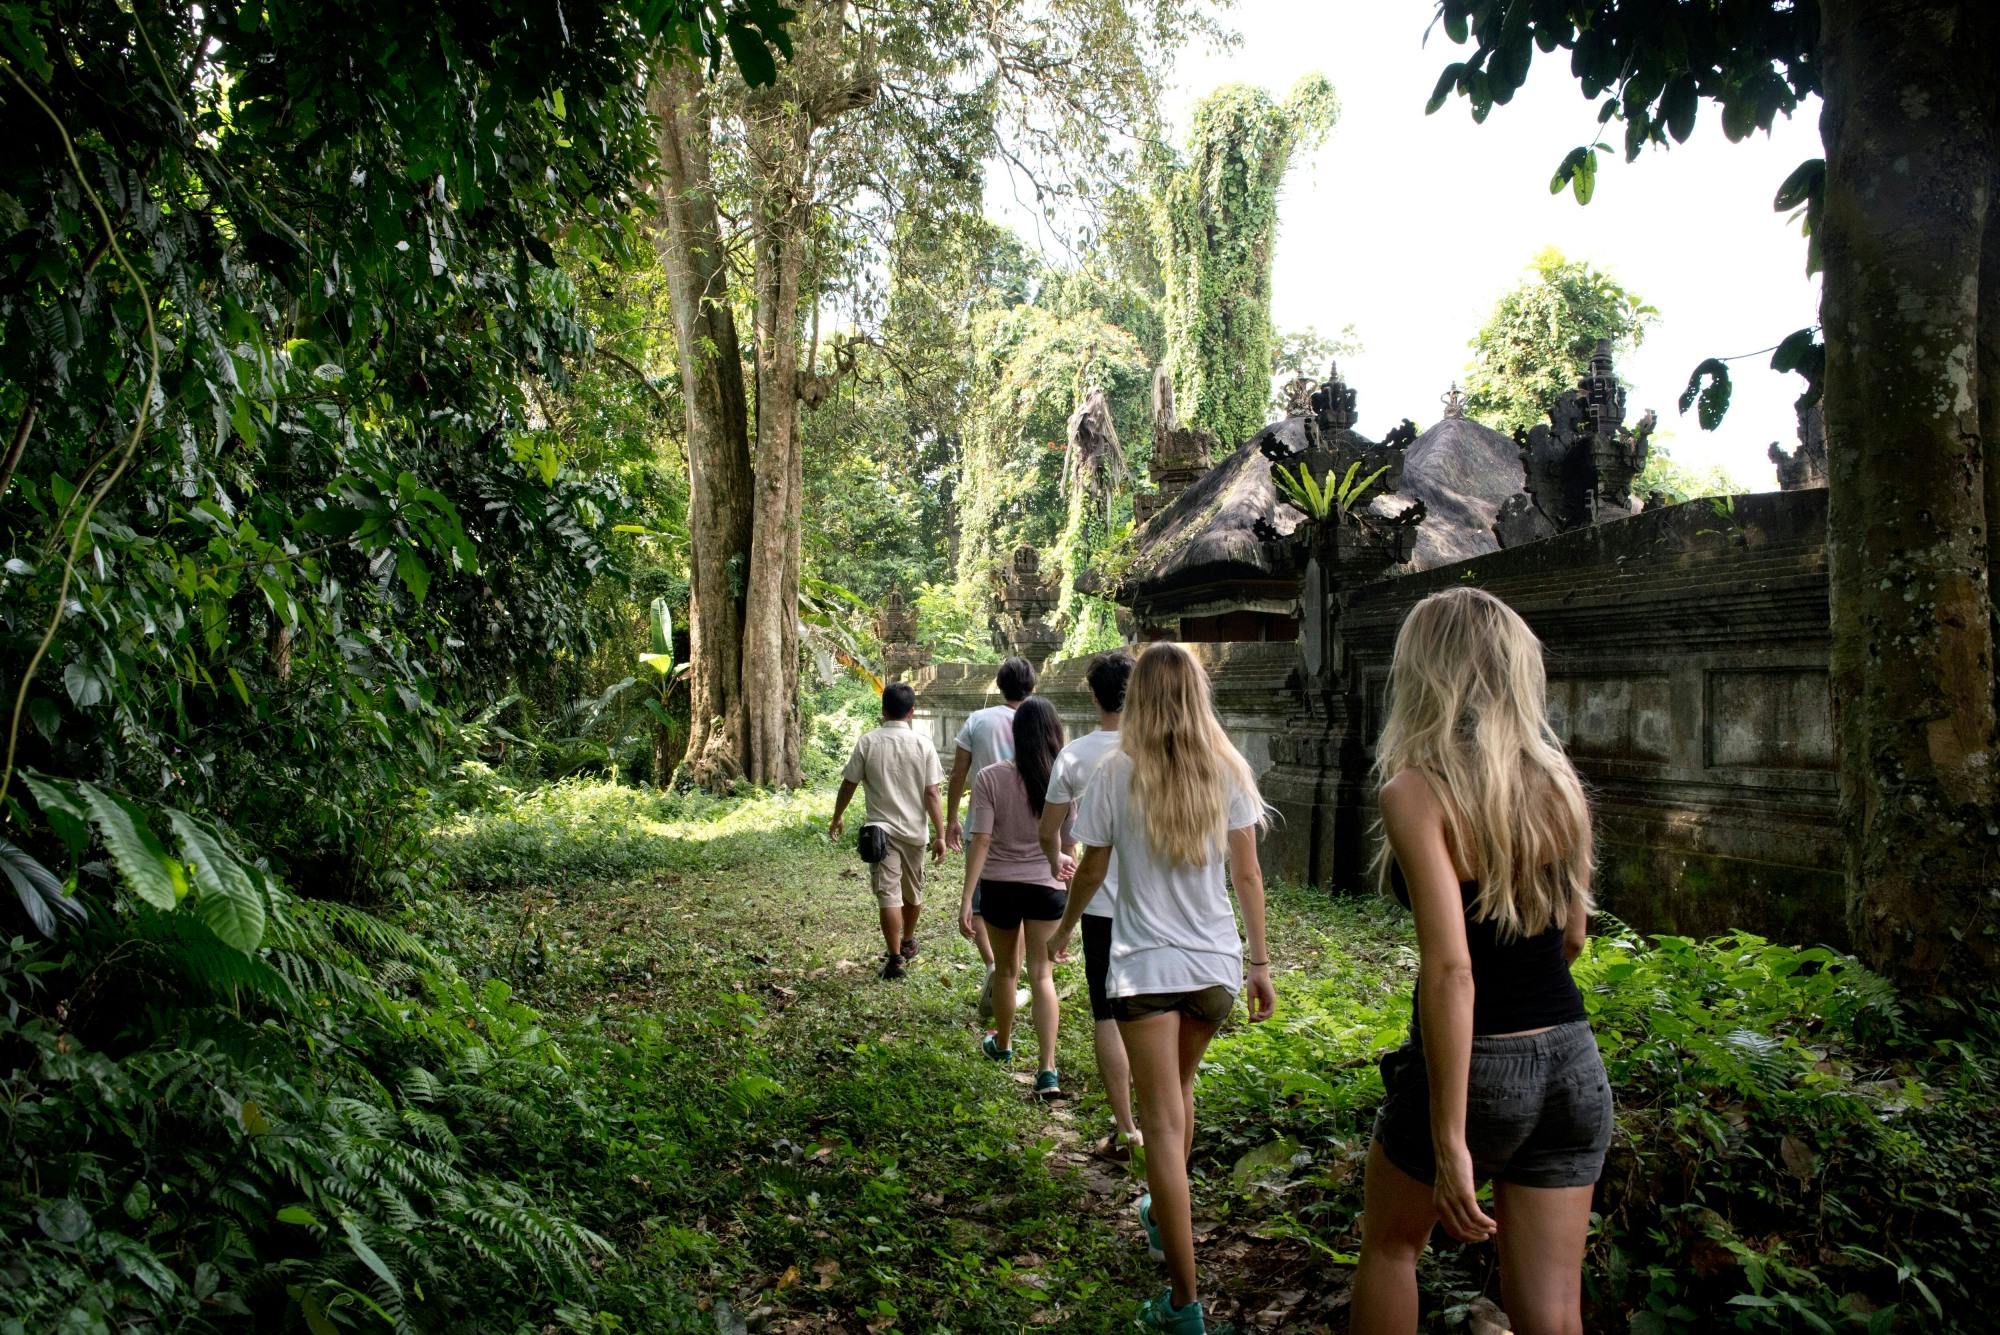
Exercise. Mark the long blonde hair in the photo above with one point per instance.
(1184, 767)
(1468, 709)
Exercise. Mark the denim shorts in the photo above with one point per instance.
(1537, 1109)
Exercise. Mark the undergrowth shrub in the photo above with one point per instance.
(1795, 1150)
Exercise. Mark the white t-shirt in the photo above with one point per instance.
(1068, 781)
(1174, 930)
(989, 735)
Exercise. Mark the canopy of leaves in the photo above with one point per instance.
(1539, 338)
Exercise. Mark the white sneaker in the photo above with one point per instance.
(1022, 996)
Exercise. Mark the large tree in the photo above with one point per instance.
(1540, 336)
(1904, 216)
(766, 194)
(1216, 215)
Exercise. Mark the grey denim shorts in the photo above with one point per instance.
(1537, 1109)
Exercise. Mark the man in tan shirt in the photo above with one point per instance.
(897, 768)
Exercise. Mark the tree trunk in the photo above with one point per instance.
(689, 240)
(1910, 138)
(771, 630)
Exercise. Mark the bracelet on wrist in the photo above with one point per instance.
(1259, 964)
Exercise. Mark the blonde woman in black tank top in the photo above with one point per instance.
(1488, 841)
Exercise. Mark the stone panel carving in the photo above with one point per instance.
(1770, 718)
(1625, 717)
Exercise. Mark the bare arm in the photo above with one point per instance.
(1577, 930)
(936, 814)
(1050, 830)
(1414, 821)
(1247, 875)
(975, 862)
(961, 766)
(1083, 884)
(846, 795)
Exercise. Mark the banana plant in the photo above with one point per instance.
(668, 732)
(1322, 499)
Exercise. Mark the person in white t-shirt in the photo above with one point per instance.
(1075, 768)
(986, 739)
(1179, 806)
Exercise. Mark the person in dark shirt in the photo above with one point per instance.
(1488, 841)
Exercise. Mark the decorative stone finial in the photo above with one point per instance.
(1453, 400)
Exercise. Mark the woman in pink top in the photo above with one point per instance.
(1018, 896)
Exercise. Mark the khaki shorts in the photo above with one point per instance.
(898, 879)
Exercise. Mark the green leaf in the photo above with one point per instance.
(410, 568)
(753, 58)
(228, 903)
(1446, 82)
(1714, 395)
(298, 1214)
(1583, 181)
(1678, 107)
(359, 1246)
(660, 663)
(556, 103)
(149, 871)
(663, 627)
(67, 816)
(1807, 181)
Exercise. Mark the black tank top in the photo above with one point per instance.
(1519, 984)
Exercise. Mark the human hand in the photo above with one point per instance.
(965, 922)
(1059, 946)
(835, 826)
(937, 848)
(1065, 868)
(1261, 997)
(954, 836)
(1457, 1197)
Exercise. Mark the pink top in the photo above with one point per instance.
(1000, 808)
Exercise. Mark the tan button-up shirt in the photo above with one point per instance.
(893, 765)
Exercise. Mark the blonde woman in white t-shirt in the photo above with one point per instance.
(1180, 807)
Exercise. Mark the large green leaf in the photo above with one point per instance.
(663, 627)
(42, 896)
(149, 870)
(228, 901)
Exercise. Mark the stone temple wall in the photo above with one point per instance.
(1687, 654)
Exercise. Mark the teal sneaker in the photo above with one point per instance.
(991, 1047)
(1153, 1248)
(1047, 1086)
(1161, 1314)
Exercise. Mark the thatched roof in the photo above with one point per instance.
(1205, 537)
(1461, 471)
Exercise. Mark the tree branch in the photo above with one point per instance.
(639, 374)
(18, 444)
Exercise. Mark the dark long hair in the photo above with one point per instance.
(1038, 737)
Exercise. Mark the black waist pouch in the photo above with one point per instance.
(872, 843)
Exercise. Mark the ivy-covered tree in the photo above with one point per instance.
(1216, 219)
(1903, 215)
(1540, 336)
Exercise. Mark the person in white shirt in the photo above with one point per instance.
(1179, 806)
(897, 769)
(987, 738)
(1075, 768)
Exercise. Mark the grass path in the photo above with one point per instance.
(807, 1148)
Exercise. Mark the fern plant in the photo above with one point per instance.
(1321, 500)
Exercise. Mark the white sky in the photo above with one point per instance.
(1411, 226)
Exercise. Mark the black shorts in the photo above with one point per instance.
(1209, 1005)
(1005, 903)
(1537, 1109)
(1097, 964)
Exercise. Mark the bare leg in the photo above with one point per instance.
(1154, 1044)
(982, 939)
(1543, 1231)
(1042, 980)
(1194, 1041)
(1397, 1215)
(892, 927)
(1006, 973)
(910, 913)
(1115, 1072)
